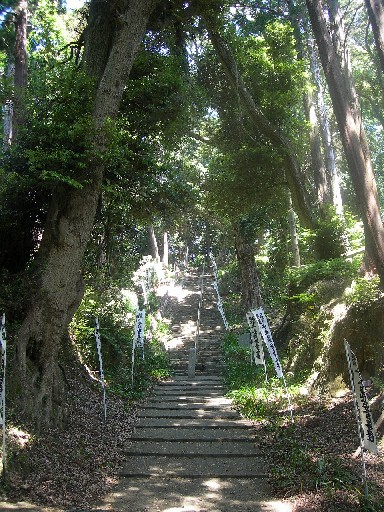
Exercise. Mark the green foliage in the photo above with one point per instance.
(300, 278)
(57, 139)
(330, 236)
(252, 395)
(363, 291)
(116, 310)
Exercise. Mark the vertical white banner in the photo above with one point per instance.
(220, 306)
(268, 340)
(256, 339)
(366, 427)
(139, 329)
(214, 266)
(98, 346)
(3, 364)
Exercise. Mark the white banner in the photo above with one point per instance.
(214, 266)
(361, 402)
(3, 363)
(220, 306)
(98, 346)
(268, 340)
(256, 339)
(139, 328)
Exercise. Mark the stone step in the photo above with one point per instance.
(203, 434)
(186, 467)
(188, 393)
(209, 448)
(188, 413)
(192, 422)
(202, 378)
(187, 400)
(176, 403)
(190, 384)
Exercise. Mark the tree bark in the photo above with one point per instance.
(375, 9)
(326, 136)
(319, 173)
(153, 243)
(20, 83)
(250, 284)
(346, 108)
(300, 196)
(293, 235)
(8, 109)
(71, 215)
(165, 249)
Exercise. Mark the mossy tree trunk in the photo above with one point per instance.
(112, 40)
(246, 261)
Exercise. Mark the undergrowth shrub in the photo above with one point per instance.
(116, 312)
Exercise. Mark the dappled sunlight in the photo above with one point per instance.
(175, 291)
(19, 437)
(196, 495)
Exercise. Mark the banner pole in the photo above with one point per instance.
(133, 359)
(98, 346)
(289, 398)
(261, 344)
(3, 354)
(362, 449)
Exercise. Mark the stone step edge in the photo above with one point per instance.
(195, 427)
(191, 440)
(194, 455)
(244, 476)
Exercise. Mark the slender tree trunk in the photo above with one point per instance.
(319, 171)
(250, 284)
(326, 136)
(320, 178)
(375, 9)
(71, 215)
(300, 196)
(293, 235)
(21, 17)
(346, 108)
(8, 109)
(153, 243)
(165, 249)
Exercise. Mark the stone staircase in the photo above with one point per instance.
(208, 341)
(191, 451)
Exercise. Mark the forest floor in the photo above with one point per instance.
(72, 469)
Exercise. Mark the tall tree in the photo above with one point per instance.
(346, 108)
(112, 38)
(295, 180)
(375, 9)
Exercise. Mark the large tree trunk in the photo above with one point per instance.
(300, 196)
(346, 108)
(250, 284)
(375, 9)
(109, 55)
